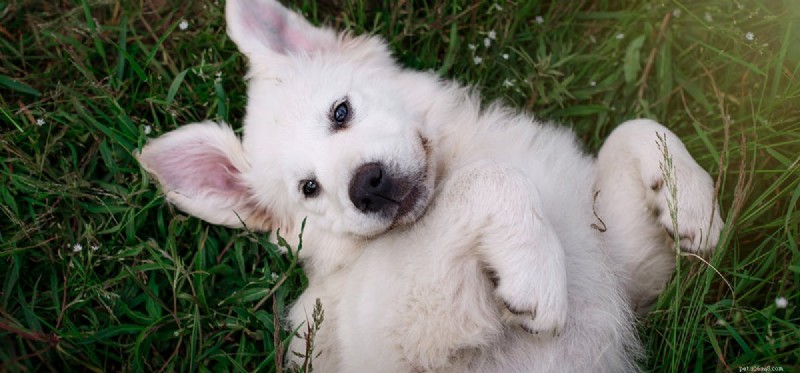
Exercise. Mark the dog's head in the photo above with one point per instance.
(331, 134)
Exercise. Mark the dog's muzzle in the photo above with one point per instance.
(375, 190)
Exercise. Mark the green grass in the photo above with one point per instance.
(153, 290)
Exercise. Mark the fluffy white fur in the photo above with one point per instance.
(497, 265)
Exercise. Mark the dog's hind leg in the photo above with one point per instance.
(650, 193)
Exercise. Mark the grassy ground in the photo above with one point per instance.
(98, 273)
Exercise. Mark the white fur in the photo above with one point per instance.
(496, 267)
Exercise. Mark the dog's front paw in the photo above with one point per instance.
(519, 248)
(682, 200)
(540, 310)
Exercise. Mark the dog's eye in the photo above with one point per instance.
(340, 115)
(310, 188)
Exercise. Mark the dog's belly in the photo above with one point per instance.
(400, 305)
(365, 306)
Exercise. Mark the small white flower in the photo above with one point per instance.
(274, 276)
(471, 46)
(95, 247)
(492, 35)
(708, 17)
(147, 129)
(508, 83)
(676, 13)
(477, 60)
(76, 248)
(781, 302)
(40, 122)
(620, 36)
(539, 19)
(750, 36)
(183, 25)
(505, 56)
(218, 77)
(592, 83)
(487, 42)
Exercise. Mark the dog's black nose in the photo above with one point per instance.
(371, 188)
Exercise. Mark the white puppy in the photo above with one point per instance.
(440, 237)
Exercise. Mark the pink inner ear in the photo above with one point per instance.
(297, 41)
(270, 24)
(197, 168)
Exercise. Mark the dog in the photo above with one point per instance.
(441, 236)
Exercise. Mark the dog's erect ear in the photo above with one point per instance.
(200, 167)
(264, 28)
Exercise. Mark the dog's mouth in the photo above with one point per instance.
(413, 205)
(407, 204)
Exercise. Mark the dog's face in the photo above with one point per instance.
(329, 135)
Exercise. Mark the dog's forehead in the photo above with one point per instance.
(307, 94)
(288, 111)
(319, 78)
(308, 87)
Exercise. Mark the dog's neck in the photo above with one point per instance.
(322, 256)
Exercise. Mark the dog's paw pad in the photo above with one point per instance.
(687, 240)
(697, 230)
(531, 326)
(698, 219)
(535, 322)
(520, 311)
(657, 185)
